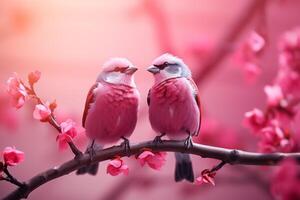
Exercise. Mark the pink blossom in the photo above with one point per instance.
(33, 77)
(289, 81)
(274, 95)
(53, 106)
(12, 156)
(116, 167)
(256, 42)
(255, 119)
(155, 160)
(286, 181)
(274, 139)
(206, 177)
(248, 53)
(250, 48)
(290, 50)
(17, 91)
(68, 132)
(42, 112)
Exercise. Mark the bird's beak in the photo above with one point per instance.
(152, 69)
(131, 70)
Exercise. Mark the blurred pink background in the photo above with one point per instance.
(69, 40)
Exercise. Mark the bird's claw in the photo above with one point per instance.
(188, 142)
(126, 145)
(158, 140)
(91, 152)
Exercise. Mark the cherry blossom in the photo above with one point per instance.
(17, 91)
(68, 132)
(155, 160)
(256, 42)
(42, 112)
(247, 55)
(274, 95)
(255, 119)
(289, 82)
(53, 106)
(116, 167)
(274, 139)
(206, 177)
(12, 156)
(283, 97)
(33, 77)
(290, 50)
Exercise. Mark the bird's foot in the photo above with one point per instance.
(126, 145)
(158, 140)
(91, 151)
(188, 142)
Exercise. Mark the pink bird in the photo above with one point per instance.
(111, 108)
(174, 108)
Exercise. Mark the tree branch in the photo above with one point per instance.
(229, 156)
(10, 178)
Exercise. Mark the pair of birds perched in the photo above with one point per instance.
(174, 107)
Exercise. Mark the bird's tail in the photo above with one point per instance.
(184, 168)
(93, 168)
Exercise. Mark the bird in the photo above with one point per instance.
(111, 108)
(174, 108)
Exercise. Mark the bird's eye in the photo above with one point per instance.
(123, 69)
(116, 69)
(166, 63)
(120, 69)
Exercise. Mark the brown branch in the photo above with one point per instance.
(218, 166)
(229, 156)
(10, 178)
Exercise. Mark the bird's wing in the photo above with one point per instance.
(148, 97)
(197, 99)
(89, 100)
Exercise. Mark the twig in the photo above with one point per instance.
(52, 121)
(218, 166)
(10, 178)
(229, 156)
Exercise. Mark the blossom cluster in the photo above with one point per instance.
(11, 157)
(274, 125)
(43, 112)
(154, 160)
(19, 93)
(247, 55)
